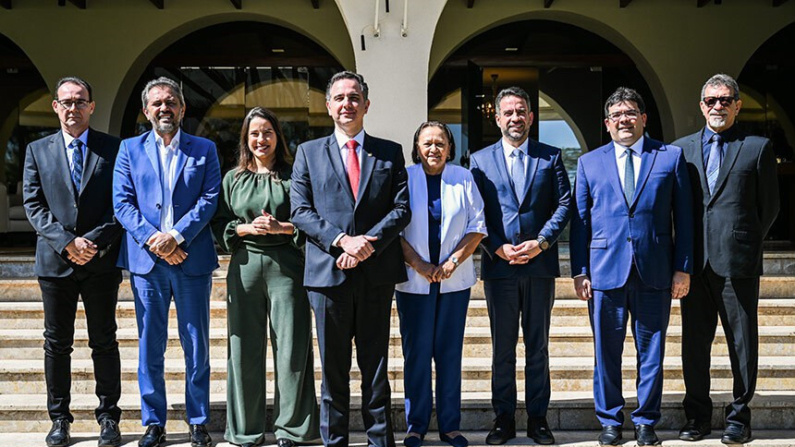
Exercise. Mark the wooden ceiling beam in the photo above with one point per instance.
(238, 4)
(470, 4)
(6, 4)
(79, 3)
(624, 3)
(776, 3)
(702, 3)
(548, 3)
(159, 4)
(316, 4)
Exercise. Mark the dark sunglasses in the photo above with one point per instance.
(725, 101)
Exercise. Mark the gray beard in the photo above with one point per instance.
(514, 137)
(717, 121)
(165, 128)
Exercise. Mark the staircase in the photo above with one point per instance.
(23, 395)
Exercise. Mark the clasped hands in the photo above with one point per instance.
(434, 273)
(266, 224)
(519, 254)
(165, 247)
(680, 286)
(81, 250)
(356, 249)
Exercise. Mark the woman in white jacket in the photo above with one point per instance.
(446, 226)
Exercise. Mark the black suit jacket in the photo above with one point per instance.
(323, 207)
(731, 224)
(58, 216)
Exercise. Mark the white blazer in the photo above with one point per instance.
(462, 213)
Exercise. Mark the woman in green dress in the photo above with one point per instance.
(265, 285)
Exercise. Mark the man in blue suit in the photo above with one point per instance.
(165, 191)
(527, 196)
(631, 252)
(350, 196)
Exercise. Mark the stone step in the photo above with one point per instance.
(573, 341)
(565, 313)
(567, 411)
(27, 289)
(567, 374)
(571, 438)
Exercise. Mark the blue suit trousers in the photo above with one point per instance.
(649, 310)
(432, 328)
(153, 292)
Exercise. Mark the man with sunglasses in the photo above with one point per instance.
(631, 253)
(733, 176)
(67, 191)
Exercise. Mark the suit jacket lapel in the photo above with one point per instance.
(334, 155)
(732, 150)
(91, 159)
(366, 169)
(183, 152)
(150, 147)
(697, 146)
(499, 161)
(532, 167)
(610, 168)
(58, 150)
(647, 158)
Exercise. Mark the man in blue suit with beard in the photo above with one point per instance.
(527, 196)
(165, 191)
(631, 252)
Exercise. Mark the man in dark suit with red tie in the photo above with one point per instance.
(350, 196)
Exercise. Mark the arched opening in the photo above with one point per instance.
(549, 59)
(227, 69)
(769, 110)
(25, 116)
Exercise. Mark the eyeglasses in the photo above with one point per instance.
(725, 101)
(631, 115)
(79, 104)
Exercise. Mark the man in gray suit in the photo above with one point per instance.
(735, 201)
(67, 192)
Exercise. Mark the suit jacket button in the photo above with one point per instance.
(629, 239)
(631, 216)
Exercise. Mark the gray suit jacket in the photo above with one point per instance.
(58, 216)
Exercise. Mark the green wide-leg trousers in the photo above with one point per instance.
(263, 286)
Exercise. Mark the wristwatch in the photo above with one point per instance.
(455, 262)
(542, 243)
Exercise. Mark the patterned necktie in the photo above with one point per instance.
(714, 161)
(517, 173)
(77, 163)
(353, 167)
(629, 177)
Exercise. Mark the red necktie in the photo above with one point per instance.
(353, 167)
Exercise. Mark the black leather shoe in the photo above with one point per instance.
(59, 434)
(199, 436)
(736, 434)
(457, 441)
(645, 435)
(503, 431)
(694, 430)
(284, 442)
(109, 434)
(154, 436)
(413, 441)
(538, 430)
(611, 435)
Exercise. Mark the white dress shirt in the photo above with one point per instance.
(168, 167)
(342, 143)
(507, 150)
(621, 159)
(67, 140)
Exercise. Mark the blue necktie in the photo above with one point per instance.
(77, 163)
(714, 161)
(517, 173)
(629, 177)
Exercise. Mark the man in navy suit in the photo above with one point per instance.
(527, 196)
(735, 194)
(67, 191)
(165, 191)
(631, 252)
(350, 196)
